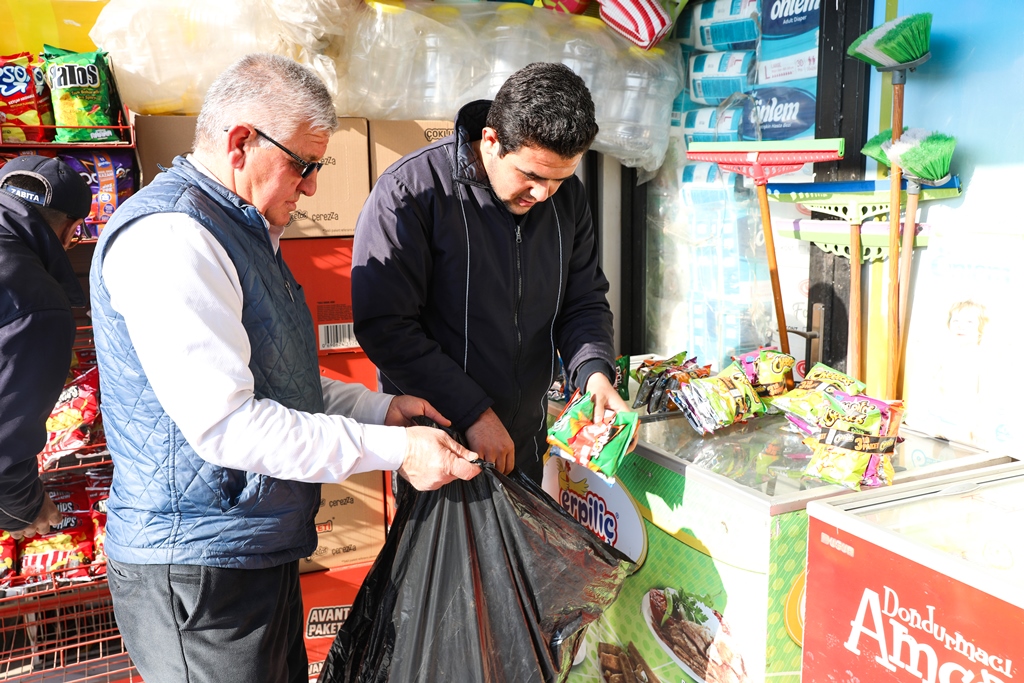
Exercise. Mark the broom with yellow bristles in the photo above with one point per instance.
(895, 46)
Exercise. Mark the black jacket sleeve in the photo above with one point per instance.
(391, 270)
(35, 355)
(584, 326)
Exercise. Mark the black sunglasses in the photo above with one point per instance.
(307, 166)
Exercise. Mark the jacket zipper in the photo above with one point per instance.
(515, 319)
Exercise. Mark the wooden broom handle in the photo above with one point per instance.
(906, 264)
(895, 176)
(853, 351)
(773, 266)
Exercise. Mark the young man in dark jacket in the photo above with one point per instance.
(42, 203)
(470, 274)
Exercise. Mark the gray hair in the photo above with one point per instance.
(273, 93)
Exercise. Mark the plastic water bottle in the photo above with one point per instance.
(443, 64)
(591, 53)
(381, 61)
(641, 104)
(511, 40)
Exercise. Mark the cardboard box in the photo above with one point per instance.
(392, 140)
(349, 523)
(158, 139)
(353, 366)
(327, 598)
(324, 269)
(342, 184)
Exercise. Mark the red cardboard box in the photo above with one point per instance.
(323, 266)
(327, 598)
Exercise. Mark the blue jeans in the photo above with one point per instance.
(193, 624)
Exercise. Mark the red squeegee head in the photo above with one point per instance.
(761, 161)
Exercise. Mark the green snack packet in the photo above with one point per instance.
(772, 368)
(622, 376)
(807, 401)
(858, 414)
(730, 394)
(598, 447)
(80, 92)
(836, 465)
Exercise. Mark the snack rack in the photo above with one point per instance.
(62, 630)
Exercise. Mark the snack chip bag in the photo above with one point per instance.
(807, 401)
(772, 367)
(8, 557)
(843, 457)
(622, 376)
(599, 447)
(70, 420)
(858, 414)
(110, 175)
(98, 490)
(19, 109)
(879, 471)
(80, 94)
(69, 545)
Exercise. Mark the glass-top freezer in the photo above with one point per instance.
(980, 523)
(764, 456)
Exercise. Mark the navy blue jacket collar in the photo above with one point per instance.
(19, 218)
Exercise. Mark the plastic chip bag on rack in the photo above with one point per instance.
(485, 580)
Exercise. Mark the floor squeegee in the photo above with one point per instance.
(761, 161)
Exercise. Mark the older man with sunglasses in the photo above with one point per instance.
(219, 423)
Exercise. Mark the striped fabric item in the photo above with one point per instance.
(644, 22)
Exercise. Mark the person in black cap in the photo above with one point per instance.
(43, 202)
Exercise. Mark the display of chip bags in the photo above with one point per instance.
(80, 91)
(20, 116)
(111, 177)
(599, 447)
(68, 547)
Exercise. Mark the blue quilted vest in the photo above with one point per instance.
(167, 505)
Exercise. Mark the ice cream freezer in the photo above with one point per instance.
(920, 583)
(718, 527)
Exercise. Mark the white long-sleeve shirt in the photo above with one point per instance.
(181, 299)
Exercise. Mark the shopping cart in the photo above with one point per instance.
(61, 629)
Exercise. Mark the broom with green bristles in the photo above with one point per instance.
(895, 46)
(925, 159)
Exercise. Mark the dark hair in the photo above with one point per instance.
(57, 220)
(544, 105)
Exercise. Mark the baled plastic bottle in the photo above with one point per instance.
(637, 131)
(512, 39)
(443, 67)
(590, 51)
(381, 60)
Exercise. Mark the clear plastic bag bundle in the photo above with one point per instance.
(485, 581)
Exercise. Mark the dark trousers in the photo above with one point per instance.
(191, 624)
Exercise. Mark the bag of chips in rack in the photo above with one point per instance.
(69, 425)
(111, 177)
(68, 547)
(8, 557)
(81, 96)
(19, 108)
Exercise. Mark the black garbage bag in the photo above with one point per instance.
(482, 581)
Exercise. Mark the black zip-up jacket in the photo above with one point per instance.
(37, 331)
(456, 303)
